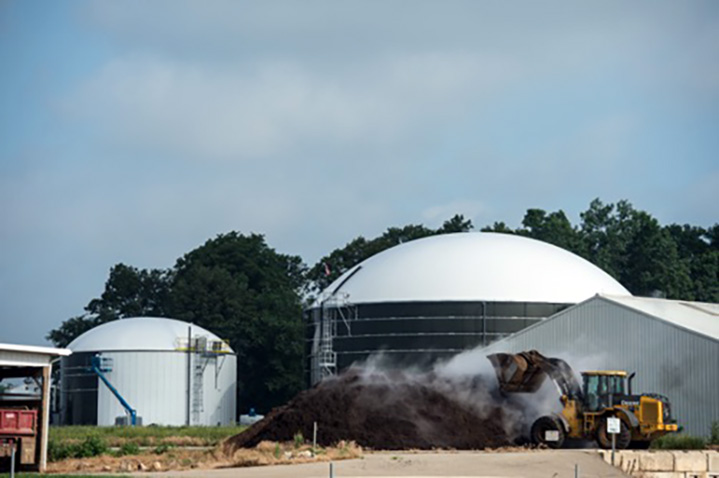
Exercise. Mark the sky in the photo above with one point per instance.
(135, 131)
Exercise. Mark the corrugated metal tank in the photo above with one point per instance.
(431, 298)
(602, 334)
(170, 372)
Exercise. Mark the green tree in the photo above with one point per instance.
(132, 292)
(499, 226)
(72, 328)
(605, 239)
(129, 292)
(652, 263)
(245, 292)
(698, 247)
(553, 228)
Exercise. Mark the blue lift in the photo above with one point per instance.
(100, 366)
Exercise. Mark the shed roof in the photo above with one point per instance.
(699, 317)
(15, 355)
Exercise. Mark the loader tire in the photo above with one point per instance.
(548, 424)
(604, 438)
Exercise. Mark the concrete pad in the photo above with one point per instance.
(661, 474)
(628, 461)
(699, 474)
(656, 461)
(713, 461)
(690, 461)
(529, 464)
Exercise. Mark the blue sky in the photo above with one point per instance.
(134, 131)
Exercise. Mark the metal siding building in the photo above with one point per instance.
(673, 346)
(167, 379)
(431, 298)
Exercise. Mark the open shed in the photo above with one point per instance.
(24, 416)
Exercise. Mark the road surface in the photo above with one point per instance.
(531, 464)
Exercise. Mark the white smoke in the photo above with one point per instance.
(469, 379)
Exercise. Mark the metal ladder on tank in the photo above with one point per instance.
(200, 362)
(330, 313)
(326, 356)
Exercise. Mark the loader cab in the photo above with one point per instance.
(603, 389)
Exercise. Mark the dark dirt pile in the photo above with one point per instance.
(389, 412)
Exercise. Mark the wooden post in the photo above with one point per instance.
(44, 418)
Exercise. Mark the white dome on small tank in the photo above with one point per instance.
(169, 372)
(477, 266)
(139, 333)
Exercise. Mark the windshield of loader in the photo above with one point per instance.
(598, 390)
(615, 384)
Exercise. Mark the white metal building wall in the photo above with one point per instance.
(600, 334)
(155, 384)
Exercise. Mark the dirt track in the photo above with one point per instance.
(534, 464)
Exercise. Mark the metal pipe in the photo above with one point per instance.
(484, 323)
(189, 372)
(12, 460)
(314, 439)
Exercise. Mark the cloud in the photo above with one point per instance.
(317, 122)
(271, 108)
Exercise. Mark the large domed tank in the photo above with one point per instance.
(170, 372)
(434, 297)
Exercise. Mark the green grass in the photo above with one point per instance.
(714, 434)
(679, 442)
(146, 436)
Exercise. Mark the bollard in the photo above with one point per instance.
(332, 471)
(12, 460)
(314, 439)
(576, 470)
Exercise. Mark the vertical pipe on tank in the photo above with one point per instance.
(189, 372)
(484, 323)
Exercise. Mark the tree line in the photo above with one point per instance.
(244, 291)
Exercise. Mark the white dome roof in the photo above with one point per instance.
(139, 333)
(477, 266)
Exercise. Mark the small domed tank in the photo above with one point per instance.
(170, 372)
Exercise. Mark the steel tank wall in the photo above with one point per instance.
(78, 391)
(599, 334)
(155, 384)
(416, 334)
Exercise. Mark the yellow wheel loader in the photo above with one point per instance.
(586, 406)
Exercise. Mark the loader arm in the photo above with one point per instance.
(525, 372)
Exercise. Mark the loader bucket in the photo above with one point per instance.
(518, 373)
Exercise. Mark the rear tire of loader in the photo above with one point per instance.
(548, 424)
(604, 438)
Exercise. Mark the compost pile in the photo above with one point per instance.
(391, 411)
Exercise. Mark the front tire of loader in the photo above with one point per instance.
(548, 424)
(604, 438)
